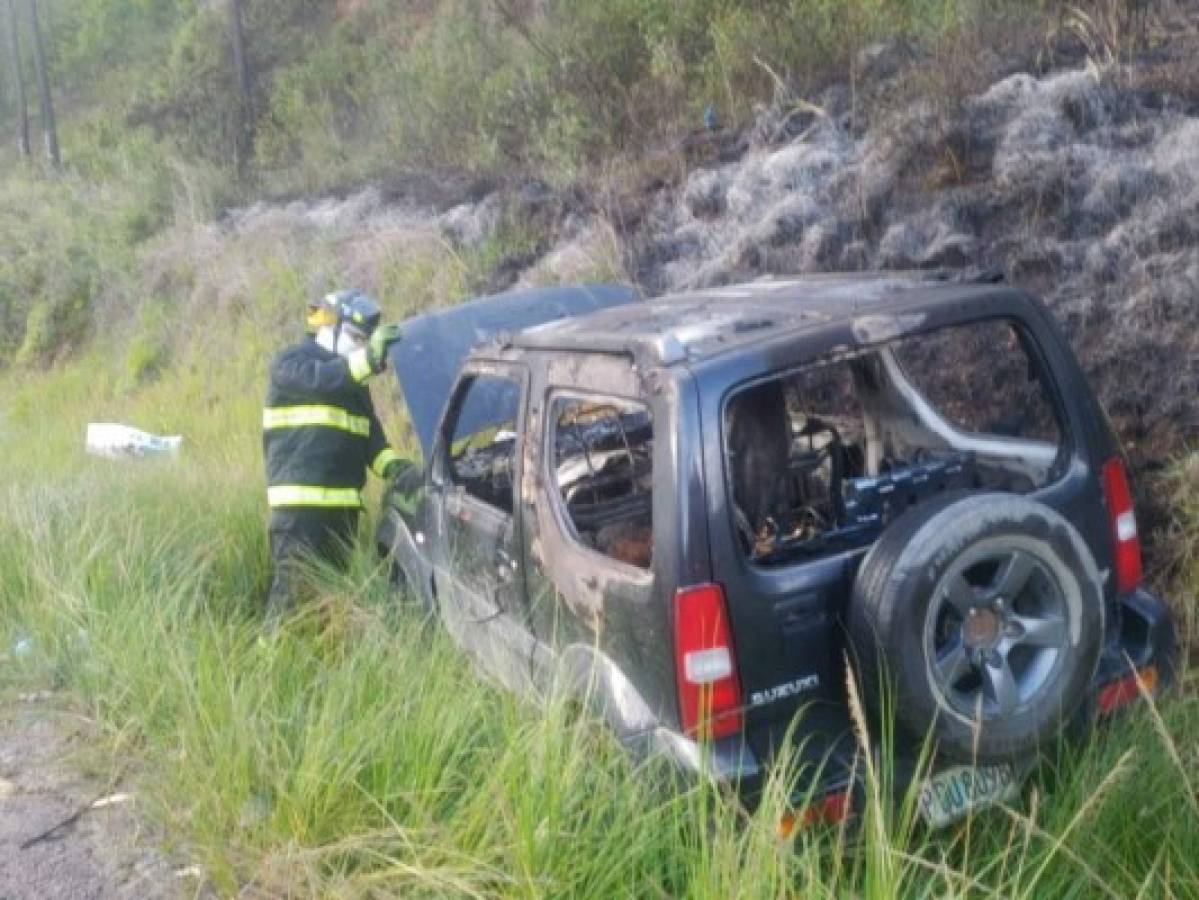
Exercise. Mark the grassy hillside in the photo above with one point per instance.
(581, 95)
(356, 754)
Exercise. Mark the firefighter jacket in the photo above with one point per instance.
(320, 431)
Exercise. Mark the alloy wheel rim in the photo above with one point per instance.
(995, 633)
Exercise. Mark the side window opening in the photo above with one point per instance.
(821, 459)
(602, 456)
(482, 442)
(982, 379)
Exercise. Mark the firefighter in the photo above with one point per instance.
(320, 434)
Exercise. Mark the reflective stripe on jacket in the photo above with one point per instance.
(329, 416)
(305, 495)
(320, 431)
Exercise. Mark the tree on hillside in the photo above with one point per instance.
(14, 54)
(243, 143)
(49, 128)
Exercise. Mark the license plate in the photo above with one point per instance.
(948, 796)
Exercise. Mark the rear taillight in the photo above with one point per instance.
(1123, 521)
(705, 667)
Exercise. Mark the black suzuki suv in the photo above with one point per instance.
(695, 511)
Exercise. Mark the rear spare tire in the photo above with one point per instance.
(985, 614)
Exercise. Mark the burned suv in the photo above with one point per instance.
(695, 511)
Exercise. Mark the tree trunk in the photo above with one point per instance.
(49, 129)
(243, 144)
(14, 53)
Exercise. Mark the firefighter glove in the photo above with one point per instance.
(380, 342)
(395, 468)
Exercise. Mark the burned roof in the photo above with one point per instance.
(702, 323)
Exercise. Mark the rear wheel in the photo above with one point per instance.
(985, 614)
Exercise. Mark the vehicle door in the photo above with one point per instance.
(593, 512)
(478, 569)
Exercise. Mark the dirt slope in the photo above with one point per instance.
(1080, 183)
(1071, 183)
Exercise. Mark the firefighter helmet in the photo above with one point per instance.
(346, 308)
(359, 313)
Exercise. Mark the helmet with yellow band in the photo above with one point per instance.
(351, 310)
(322, 312)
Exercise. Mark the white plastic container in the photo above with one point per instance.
(115, 441)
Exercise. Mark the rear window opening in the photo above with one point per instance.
(821, 459)
(603, 470)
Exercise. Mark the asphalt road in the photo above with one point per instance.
(95, 852)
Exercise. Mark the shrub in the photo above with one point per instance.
(148, 350)
(1176, 543)
(59, 320)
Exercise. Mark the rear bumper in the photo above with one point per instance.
(1144, 639)
(733, 762)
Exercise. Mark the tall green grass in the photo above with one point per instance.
(356, 753)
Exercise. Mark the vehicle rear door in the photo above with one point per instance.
(784, 617)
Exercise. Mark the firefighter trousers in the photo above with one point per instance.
(299, 539)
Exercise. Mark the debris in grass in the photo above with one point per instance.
(111, 800)
(112, 440)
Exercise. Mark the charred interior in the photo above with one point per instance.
(603, 464)
(483, 442)
(821, 459)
